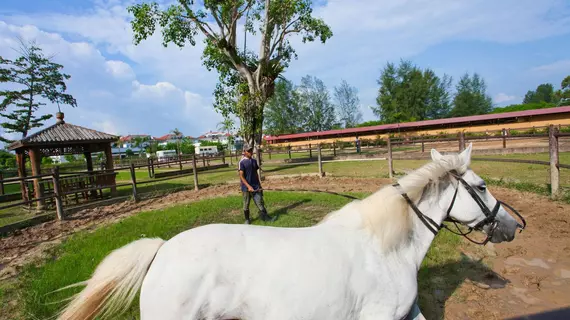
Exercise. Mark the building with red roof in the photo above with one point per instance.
(478, 123)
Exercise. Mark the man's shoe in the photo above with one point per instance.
(247, 221)
(265, 217)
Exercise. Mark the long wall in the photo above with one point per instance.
(537, 121)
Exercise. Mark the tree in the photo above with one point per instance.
(471, 97)
(177, 135)
(543, 93)
(348, 104)
(408, 93)
(37, 80)
(316, 107)
(227, 125)
(282, 114)
(563, 95)
(246, 79)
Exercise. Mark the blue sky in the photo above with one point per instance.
(125, 89)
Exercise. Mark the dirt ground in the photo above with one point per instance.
(529, 275)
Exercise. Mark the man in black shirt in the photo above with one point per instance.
(251, 185)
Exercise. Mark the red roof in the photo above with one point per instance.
(426, 123)
(133, 136)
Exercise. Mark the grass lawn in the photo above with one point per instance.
(76, 258)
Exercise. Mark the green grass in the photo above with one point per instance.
(76, 258)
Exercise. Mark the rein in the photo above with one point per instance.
(310, 190)
(490, 215)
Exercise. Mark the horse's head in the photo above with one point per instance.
(473, 205)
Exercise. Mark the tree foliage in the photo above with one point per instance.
(246, 78)
(37, 80)
(563, 95)
(283, 114)
(543, 93)
(348, 104)
(408, 93)
(471, 97)
(316, 106)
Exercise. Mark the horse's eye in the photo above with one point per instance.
(482, 187)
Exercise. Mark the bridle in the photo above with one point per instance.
(490, 215)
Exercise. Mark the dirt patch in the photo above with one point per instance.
(529, 275)
(536, 265)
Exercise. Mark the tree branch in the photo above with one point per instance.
(209, 32)
(264, 46)
(279, 41)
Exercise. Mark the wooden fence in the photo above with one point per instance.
(61, 191)
(552, 134)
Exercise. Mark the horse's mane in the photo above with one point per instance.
(386, 214)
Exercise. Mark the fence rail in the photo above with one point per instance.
(57, 186)
(553, 134)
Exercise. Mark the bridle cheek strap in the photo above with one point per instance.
(433, 226)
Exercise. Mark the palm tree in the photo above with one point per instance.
(227, 125)
(178, 136)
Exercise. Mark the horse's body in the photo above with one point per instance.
(360, 262)
(257, 273)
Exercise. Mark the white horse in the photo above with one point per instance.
(360, 262)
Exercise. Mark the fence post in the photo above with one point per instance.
(57, 194)
(334, 149)
(180, 160)
(504, 138)
(195, 171)
(224, 158)
(423, 147)
(204, 160)
(1, 183)
(390, 164)
(554, 161)
(320, 159)
(148, 165)
(461, 141)
(289, 150)
(310, 151)
(134, 182)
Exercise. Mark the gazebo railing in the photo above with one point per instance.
(58, 189)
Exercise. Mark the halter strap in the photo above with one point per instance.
(427, 221)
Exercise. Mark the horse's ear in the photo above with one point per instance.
(466, 154)
(435, 155)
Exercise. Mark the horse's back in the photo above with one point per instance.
(225, 271)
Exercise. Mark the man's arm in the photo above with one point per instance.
(242, 178)
(257, 174)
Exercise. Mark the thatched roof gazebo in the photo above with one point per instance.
(60, 139)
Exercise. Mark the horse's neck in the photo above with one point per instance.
(422, 237)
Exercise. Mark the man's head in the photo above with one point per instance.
(247, 151)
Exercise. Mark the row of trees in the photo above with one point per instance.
(311, 107)
(409, 93)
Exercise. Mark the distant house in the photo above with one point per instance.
(221, 137)
(170, 138)
(129, 142)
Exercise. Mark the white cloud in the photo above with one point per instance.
(558, 67)
(106, 126)
(109, 96)
(503, 97)
(119, 69)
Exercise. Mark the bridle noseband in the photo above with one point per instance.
(490, 215)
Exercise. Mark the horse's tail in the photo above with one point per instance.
(115, 282)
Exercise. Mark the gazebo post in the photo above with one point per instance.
(109, 166)
(21, 163)
(35, 160)
(89, 161)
